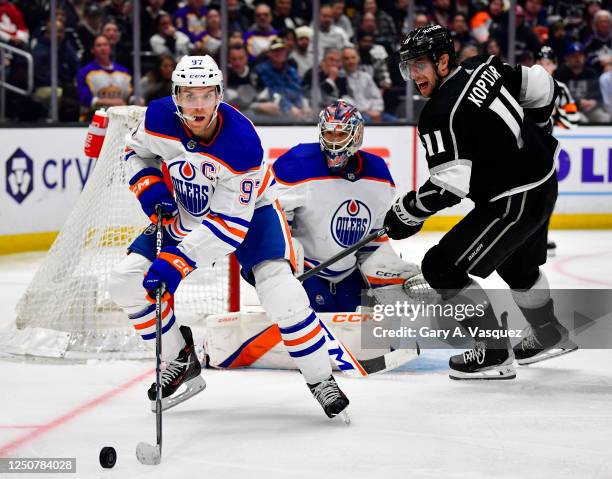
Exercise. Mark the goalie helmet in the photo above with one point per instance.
(340, 117)
(196, 71)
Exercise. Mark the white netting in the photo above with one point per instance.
(66, 310)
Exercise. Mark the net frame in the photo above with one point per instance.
(66, 311)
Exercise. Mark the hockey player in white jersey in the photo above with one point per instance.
(334, 194)
(213, 156)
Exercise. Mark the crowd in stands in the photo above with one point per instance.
(270, 51)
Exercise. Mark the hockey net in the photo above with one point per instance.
(67, 311)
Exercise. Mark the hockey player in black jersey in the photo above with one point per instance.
(486, 130)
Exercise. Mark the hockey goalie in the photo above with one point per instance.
(333, 194)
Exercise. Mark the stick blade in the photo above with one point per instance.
(147, 454)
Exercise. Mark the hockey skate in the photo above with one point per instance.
(331, 398)
(184, 370)
(543, 342)
(484, 362)
(551, 249)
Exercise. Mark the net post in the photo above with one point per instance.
(234, 285)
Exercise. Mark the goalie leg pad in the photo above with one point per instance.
(125, 287)
(286, 303)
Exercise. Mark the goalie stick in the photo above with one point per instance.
(145, 452)
(342, 356)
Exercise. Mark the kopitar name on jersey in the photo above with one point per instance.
(350, 222)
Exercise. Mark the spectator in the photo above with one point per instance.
(211, 41)
(485, 21)
(168, 40)
(281, 17)
(441, 14)
(330, 36)
(288, 37)
(120, 52)
(12, 25)
(88, 30)
(586, 31)
(363, 90)
(468, 51)
(491, 47)
(103, 83)
(373, 59)
(67, 67)
(240, 17)
(399, 14)
(459, 25)
(605, 85)
(559, 40)
(582, 82)
(244, 89)
(242, 86)
(113, 10)
(331, 83)
(259, 37)
(340, 19)
(148, 19)
(191, 20)
(535, 15)
(379, 23)
(464, 7)
(599, 48)
(157, 83)
(302, 53)
(527, 43)
(283, 80)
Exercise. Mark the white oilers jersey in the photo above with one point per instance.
(214, 184)
(329, 212)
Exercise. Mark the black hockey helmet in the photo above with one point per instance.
(432, 41)
(546, 53)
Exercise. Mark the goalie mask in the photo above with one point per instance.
(340, 133)
(196, 71)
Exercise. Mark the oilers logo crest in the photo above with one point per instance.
(191, 187)
(350, 222)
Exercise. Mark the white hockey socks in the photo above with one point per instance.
(286, 303)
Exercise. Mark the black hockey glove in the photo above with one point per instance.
(404, 219)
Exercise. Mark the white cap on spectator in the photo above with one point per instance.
(303, 32)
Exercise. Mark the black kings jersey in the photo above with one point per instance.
(485, 133)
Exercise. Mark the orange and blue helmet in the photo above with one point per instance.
(340, 132)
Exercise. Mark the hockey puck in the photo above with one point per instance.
(108, 457)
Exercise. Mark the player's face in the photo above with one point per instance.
(422, 71)
(200, 103)
(335, 136)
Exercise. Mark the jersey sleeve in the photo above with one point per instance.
(534, 89)
(141, 150)
(448, 152)
(225, 226)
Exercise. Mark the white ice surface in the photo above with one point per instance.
(554, 420)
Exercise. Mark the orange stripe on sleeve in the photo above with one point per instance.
(227, 227)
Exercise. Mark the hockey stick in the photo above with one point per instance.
(145, 452)
(342, 356)
(360, 244)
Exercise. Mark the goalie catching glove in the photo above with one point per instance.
(405, 219)
(168, 269)
(149, 187)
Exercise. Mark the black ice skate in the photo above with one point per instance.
(184, 370)
(484, 362)
(543, 342)
(330, 396)
(551, 249)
